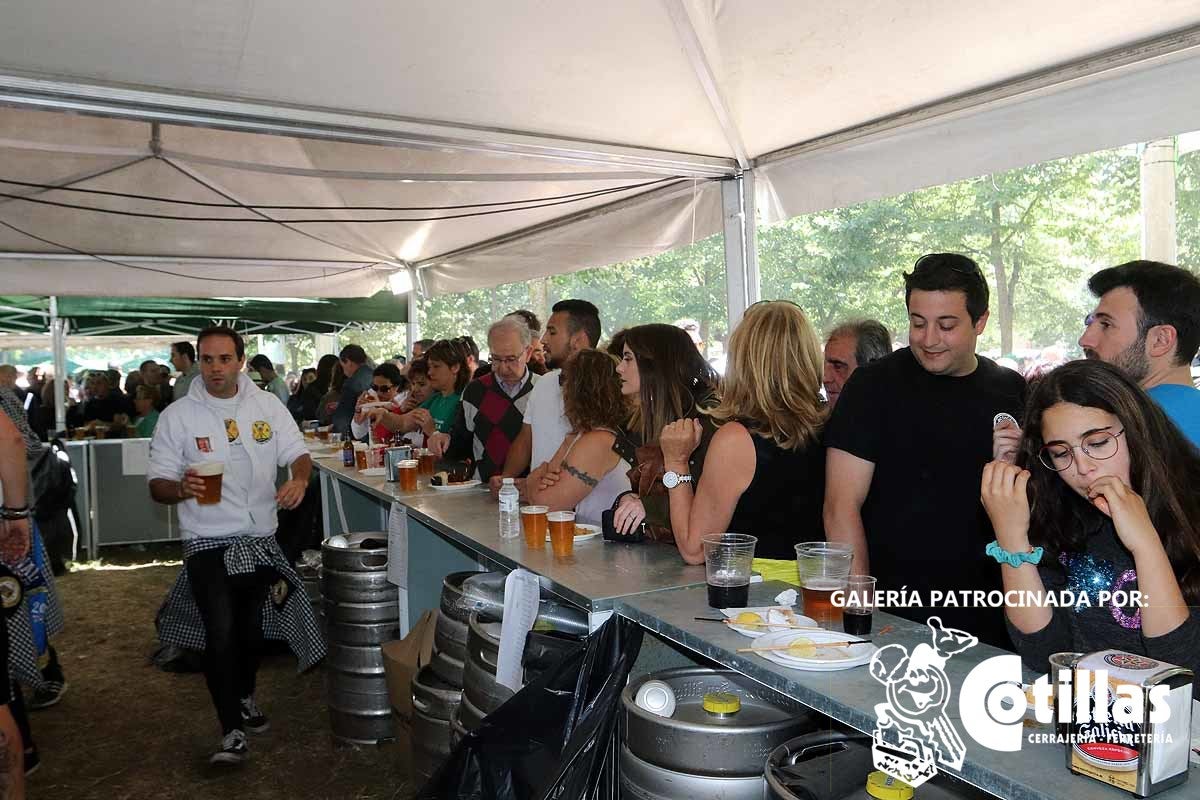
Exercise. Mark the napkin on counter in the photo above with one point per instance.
(786, 598)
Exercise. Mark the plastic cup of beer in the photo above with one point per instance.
(728, 562)
(407, 470)
(211, 472)
(360, 455)
(426, 459)
(535, 525)
(858, 608)
(823, 568)
(323, 433)
(562, 532)
(310, 428)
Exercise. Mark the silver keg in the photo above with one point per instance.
(479, 671)
(716, 742)
(361, 612)
(450, 632)
(434, 704)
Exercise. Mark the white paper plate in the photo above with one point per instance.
(755, 632)
(373, 472)
(827, 659)
(458, 487)
(583, 532)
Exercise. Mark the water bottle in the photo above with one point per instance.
(510, 510)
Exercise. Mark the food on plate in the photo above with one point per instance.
(747, 618)
(801, 647)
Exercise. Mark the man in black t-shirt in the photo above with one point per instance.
(907, 443)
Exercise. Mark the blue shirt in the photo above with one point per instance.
(1182, 406)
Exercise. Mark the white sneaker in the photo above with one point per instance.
(233, 749)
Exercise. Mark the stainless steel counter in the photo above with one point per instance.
(595, 575)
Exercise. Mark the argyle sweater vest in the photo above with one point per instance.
(487, 423)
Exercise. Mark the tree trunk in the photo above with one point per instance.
(1004, 304)
(1158, 201)
(539, 298)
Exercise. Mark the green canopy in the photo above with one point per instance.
(133, 316)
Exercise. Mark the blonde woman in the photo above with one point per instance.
(764, 470)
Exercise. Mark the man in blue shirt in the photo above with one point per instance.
(1147, 322)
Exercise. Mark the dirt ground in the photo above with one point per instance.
(125, 729)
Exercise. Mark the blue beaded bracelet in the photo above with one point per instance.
(1001, 555)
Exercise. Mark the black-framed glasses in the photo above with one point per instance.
(1100, 445)
(387, 387)
(507, 361)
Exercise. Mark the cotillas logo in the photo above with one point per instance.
(913, 734)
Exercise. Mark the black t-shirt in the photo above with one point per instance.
(929, 437)
(782, 504)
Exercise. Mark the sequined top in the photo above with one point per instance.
(1104, 566)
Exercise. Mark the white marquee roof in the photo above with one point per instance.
(432, 104)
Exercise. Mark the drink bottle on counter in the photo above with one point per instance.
(510, 510)
(348, 452)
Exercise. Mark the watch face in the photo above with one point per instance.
(670, 480)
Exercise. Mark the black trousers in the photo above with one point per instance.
(232, 612)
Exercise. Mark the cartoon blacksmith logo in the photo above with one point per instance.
(912, 732)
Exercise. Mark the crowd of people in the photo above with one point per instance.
(1086, 470)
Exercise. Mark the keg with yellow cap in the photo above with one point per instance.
(713, 743)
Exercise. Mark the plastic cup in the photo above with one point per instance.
(823, 568)
(859, 606)
(360, 455)
(728, 558)
(535, 525)
(211, 472)
(407, 470)
(562, 532)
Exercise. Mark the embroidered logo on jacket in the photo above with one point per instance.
(231, 430)
(261, 431)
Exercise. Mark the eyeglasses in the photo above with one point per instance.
(507, 361)
(1100, 445)
(387, 387)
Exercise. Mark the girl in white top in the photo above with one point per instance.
(585, 474)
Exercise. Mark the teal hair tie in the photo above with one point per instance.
(1001, 555)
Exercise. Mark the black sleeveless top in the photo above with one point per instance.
(782, 505)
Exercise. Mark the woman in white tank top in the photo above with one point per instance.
(585, 474)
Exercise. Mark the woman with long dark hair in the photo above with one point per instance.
(310, 408)
(1102, 498)
(590, 475)
(665, 379)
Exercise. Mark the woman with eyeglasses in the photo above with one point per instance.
(386, 385)
(1102, 498)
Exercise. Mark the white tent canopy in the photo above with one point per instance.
(267, 102)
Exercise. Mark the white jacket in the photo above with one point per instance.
(191, 430)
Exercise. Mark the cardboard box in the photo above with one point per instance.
(403, 658)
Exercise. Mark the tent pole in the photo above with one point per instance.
(413, 329)
(58, 346)
(741, 245)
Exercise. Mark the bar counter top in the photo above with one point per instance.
(592, 577)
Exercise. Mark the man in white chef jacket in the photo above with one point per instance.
(230, 554)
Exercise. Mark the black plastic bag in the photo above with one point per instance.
(552, 738)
